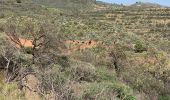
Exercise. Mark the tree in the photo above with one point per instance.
(118, 58)
(11, 33)
(38, 39)
(46, 53)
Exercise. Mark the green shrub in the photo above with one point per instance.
(28, 50)
(83, 72)
(98, 49)
(63, 61)
(1, 28)
(108, 91)
(139, 47)
(104, 74)
(164, 97)
(2, 15)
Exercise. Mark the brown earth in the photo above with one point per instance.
(73, 45)
(25, 43)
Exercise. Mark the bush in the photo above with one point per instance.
(108, 91)
(1, 29)
(139, 47)
(18, 1)
(28, 50)
(82, 72)
(164, 97)
(63, 61)
(2, 15)
(118, 58)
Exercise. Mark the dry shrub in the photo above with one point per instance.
(84, 72)
(118, 58)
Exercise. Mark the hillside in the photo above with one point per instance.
(74, 50)
(67, 4)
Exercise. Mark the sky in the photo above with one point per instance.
(127, 2)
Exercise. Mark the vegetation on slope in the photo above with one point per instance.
(131, 62)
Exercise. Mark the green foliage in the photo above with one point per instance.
(103, 74)
(98, 49)
(11, 90)
(141, 71)
(164, 97)
(28, 50)
(2, 15)
(139, 47)
(25, 59)
(63, 61)
(107, 90)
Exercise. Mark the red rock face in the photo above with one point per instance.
(75, 45)
(78, 45)
(20, 42)
(26, 43)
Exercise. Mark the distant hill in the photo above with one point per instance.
(146, 4)
(66, 3)
(106, 4)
